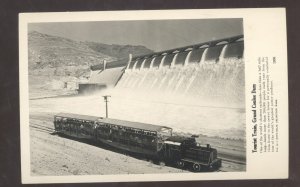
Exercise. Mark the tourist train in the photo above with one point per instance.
(148, 140)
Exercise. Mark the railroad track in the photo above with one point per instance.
(233, 161)
(231, 165)
(228, 161)
(41, 127)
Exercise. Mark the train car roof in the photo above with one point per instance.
(131, 124)
(78, 116)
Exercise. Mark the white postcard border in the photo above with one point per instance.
(264, 35)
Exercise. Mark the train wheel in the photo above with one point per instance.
(197, 167)
(180, 164)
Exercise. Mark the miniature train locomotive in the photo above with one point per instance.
(149, 140)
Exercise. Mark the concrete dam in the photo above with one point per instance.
(196, 89)
(209, 73)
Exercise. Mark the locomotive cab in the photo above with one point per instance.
(186, 152)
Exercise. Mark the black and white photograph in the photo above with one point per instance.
(134, 97)
(128, 98)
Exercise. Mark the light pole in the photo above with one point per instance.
(106, 101)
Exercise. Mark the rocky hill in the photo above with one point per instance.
(52, 55)
(119, 51)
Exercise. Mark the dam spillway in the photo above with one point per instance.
(212, 73)
(193, 89)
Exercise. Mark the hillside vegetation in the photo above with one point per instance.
(52, 55)
(119, 51)
(54, 61)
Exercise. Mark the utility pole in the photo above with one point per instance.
(106, 101)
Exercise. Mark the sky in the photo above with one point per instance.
(156, 35)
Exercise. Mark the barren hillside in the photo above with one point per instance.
(58, 56)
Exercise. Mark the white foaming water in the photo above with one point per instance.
(203, 99)
(221, 84)
(206, 98)
(182, 115)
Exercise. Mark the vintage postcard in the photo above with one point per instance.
(160, 95)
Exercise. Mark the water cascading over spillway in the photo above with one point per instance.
(210, 74)
(194, 89)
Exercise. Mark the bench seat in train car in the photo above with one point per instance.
(130, 136)
(133, 136)
(75, 125)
